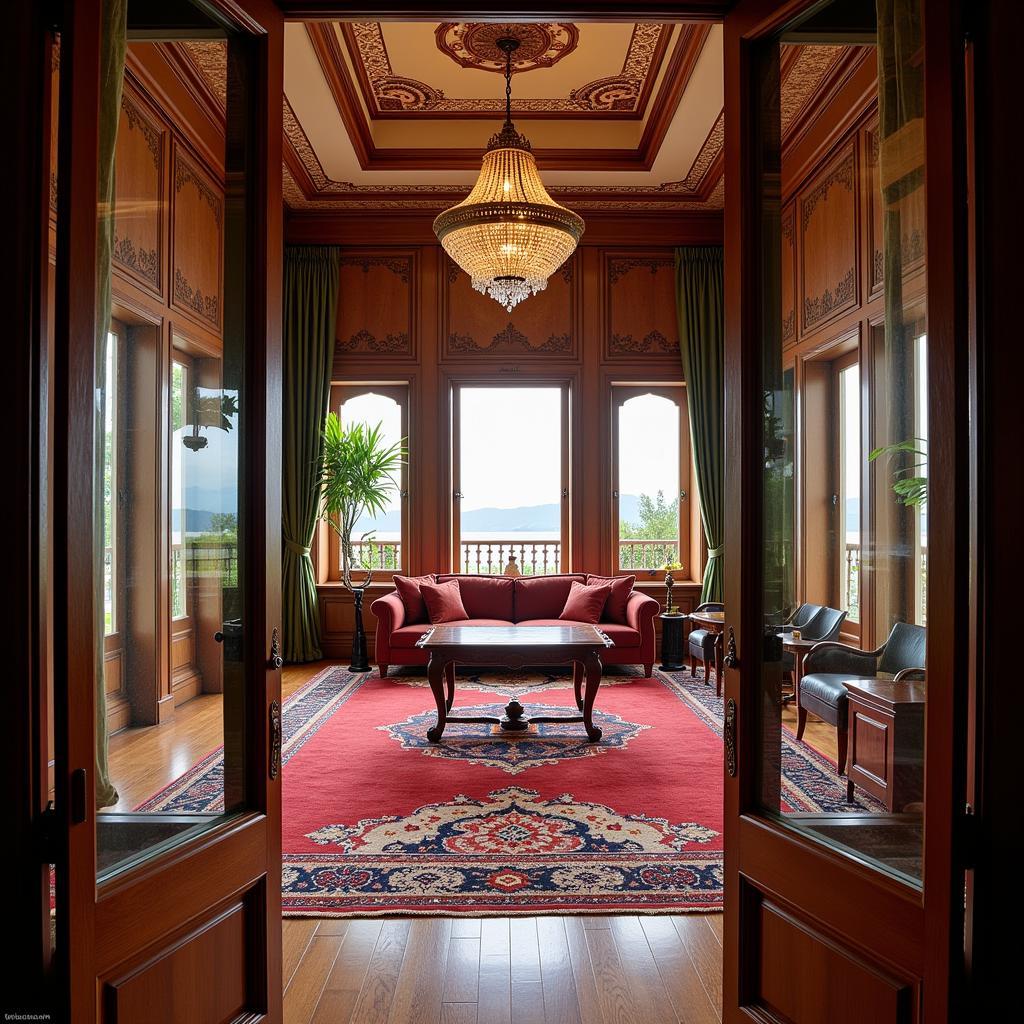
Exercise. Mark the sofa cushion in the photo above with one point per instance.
(484, 597)
(543, 597)
(622, 636)
(408, 635)
(585, 604)
(408, 588)
(443, 601)
(615, 606)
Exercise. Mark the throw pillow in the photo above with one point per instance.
(444, 602)
(585, 604)
(615, 606)
(408, 588)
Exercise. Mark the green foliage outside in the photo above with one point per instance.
(658, 519)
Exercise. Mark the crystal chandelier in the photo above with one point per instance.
(508, 234)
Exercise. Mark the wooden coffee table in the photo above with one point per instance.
(514, 647)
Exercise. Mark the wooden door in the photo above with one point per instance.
(840, 910)
(170, 910)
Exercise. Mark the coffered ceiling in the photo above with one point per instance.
(395, 115)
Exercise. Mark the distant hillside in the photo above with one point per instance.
(525, 519)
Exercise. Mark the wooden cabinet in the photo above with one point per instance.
(886, 741)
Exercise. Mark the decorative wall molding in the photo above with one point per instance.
(841, 174)
(143, 262)
(378, 304)
(639, 305)
(186, 174)
(509, 340)
(138, 122)
(822, 306)
(206, 306)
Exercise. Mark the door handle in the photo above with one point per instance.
(730, 660)
(274, 768)
(276, 661)
(730, 737)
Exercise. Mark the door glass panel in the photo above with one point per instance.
(510, 479)
(849, 469)
(842, 757)
(169, 426)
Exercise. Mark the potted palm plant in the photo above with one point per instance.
(358, 473)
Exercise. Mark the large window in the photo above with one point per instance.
(848, 470)
(180, 372)
(510, 466)
(379, 542)
(650, 452)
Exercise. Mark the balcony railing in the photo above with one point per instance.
(377, 554)
(647, 554)
(534, 556)
(851, 584)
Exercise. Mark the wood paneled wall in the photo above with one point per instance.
(167, 291)
(407, 314)
(833, 303)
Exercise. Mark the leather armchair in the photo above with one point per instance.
(822, 625)
(801, 619)
(829, 666)
(701, 642)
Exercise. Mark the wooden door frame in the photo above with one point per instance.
(239, 860)
(919, 936)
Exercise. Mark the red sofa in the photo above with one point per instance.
(519, 600)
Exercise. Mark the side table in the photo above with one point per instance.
(672, 645)
(886, 740)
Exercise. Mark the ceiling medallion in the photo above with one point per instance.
(476, 44)
(508, 234)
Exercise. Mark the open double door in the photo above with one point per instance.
(822, 924)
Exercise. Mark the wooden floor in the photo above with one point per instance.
(523, 970)
(590, 970)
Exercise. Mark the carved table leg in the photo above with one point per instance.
(577, 682)
(437, 670)
(719, 645)
(593, 669)
(449, 679)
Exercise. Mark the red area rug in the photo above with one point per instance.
(379, 820)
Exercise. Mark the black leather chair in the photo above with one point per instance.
(829, 666)
(801, 618)
(701, 642)
(822, 625)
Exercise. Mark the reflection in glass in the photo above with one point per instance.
(648, 482)
(170, 655)
(842, 757)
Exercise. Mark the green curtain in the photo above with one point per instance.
(112, 54)
(310, 306)
(700, 306)
(901, 173)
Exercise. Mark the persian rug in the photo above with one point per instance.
(378, 820)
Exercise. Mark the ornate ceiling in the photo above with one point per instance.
(395, 115)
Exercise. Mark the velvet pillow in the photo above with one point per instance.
(408, 588)
(615, 606)
(443, 601)
(585, 604)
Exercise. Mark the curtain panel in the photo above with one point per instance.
(700, 306)
(310, 310)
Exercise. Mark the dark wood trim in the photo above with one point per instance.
(595, 10)
(407, 228)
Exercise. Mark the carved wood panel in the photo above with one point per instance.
(827, 242)
(378, 304)
(544, 325)
(197, 241)
(788, 275)
(139, 203)
(639, 305)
